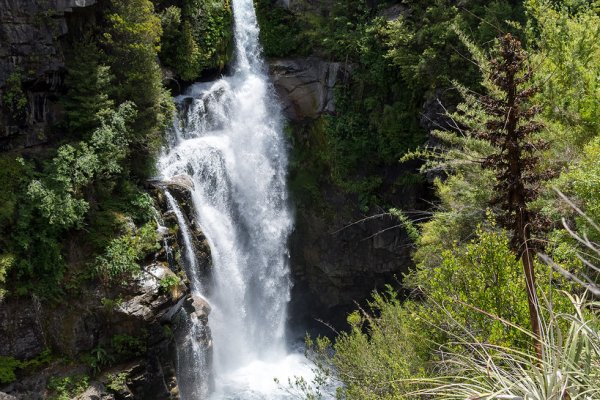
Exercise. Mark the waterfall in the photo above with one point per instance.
(190, 256)
(228, 138)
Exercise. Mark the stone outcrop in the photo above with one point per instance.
(180, 187)
(31, 34)
(305, 85)
(154, 315)
(80, 327)
(339, 257)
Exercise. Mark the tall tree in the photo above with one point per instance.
(511, 131)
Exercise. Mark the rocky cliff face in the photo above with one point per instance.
(32, 58)
(306, 86)
(338, 256)
(133, 331)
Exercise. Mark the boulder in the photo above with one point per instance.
(199, 306)
(305, 86)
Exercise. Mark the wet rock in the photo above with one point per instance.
(181, 187)
(21, 333)
(151, 302)
(4, 396)
(198, 306)
(180, 184)
(96, 391)
(305, 86)
(338, 257)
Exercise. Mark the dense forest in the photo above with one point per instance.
(488, 110)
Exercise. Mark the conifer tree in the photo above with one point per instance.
(89, 84)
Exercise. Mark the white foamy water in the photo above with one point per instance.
(229, 140)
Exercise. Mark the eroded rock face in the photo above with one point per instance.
(145, 309)
(30, 46)
(21, 334)
(338, 261)
(305, 86)
(78, 327)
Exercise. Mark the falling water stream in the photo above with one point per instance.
(228, 138)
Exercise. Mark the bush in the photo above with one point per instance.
(68, 387)
(197, 37)
(122, 256)
(13, 97)
(8, 366)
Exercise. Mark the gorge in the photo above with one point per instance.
(299, 199)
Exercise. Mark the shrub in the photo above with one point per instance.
(13, 97)
(123, 254)
(68, 387)
(169, 282)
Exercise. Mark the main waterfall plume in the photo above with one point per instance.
(229, 139)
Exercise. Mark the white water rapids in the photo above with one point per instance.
(229, 139)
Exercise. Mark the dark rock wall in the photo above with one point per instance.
(31, 45)
(339, 255)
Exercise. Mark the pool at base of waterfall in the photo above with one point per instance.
(264, 380)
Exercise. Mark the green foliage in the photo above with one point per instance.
(280, 30)
(13, 180)
(567, 67)
(8, 366)
(169, 282)
(117, 382)
(425, 47)
(582, 182)
(411, 229)
(75, 167)
(67, 387)
(213, 30)
(126, 347)
(87, 99)
(484, 274)
(13, 97)
(97, 359)
(111, 304)
(384, 348)
(180, 49)
(133, 43)
(197, 36)
(123, 254)
(473, 369)
(462, 201)
(6, 263)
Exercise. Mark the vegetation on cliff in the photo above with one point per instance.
(513, 132)
(498, 130)
(74, 212)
